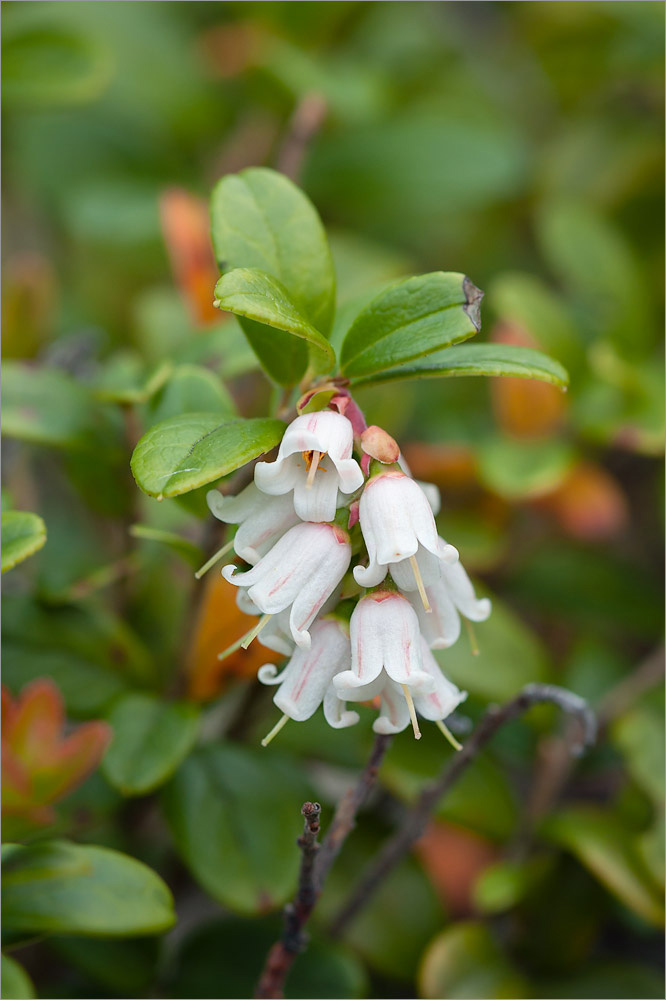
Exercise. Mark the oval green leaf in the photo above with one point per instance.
(259, 219)
(23, 534)
(409, 319)
(64, 888)
(216, 807)
(150, 739)
(261, 298)
(478, 359)
(182, 453)
(191, 389)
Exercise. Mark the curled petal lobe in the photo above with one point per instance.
(461, 589)
(335, 711)
(262, 519)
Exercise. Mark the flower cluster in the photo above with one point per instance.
(339, 493)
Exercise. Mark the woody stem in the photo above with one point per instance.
(416, 819)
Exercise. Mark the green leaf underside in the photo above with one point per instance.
(261, 298)
(150, 738)
(23, 534)
(409, 319)
(259, 219)
(188, 451)
(478, 359)
(61, 887)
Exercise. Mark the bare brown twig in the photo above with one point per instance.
(281, 956)
(315, 866)
(304, 124)
(416, 819)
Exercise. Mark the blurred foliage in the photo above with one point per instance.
(519, 143)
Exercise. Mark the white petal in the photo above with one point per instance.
(349, 688)
(234, 510)
(432, 496)
(326, 572)
(335, 711)
(349, 473)
(319, 502)
(462, 594)
(441, 626)
(429, 567)
(370, 576)
(394, 713)
(259, 532)
(279, 476)
(444, 698)
(276, 634)
(268, 674)
(309, 672)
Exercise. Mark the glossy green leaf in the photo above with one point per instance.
(465, 961)
(611, 854)
(518, 469)
(212, 806)
(477, 359)
(259, 219)
(16, 984)
(236, 946)
(125, 379)
(182, 453)
(259, 297)
(409, 319)
(46, 406)
(150, 739)
(23, 534)
(191, 389)
(60, 887)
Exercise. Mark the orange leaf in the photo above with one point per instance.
(185, 225)
(454, 858)
(589, 504)
(219, 624)
(39, 763)
(525, 407)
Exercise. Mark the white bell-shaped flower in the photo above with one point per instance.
(262, 519)
(314, 461)
(300, 572)
(306, 679)
(400, 534)
(385, 638)
(451, 596)
(435, 704)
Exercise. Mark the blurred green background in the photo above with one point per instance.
(521, 143)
